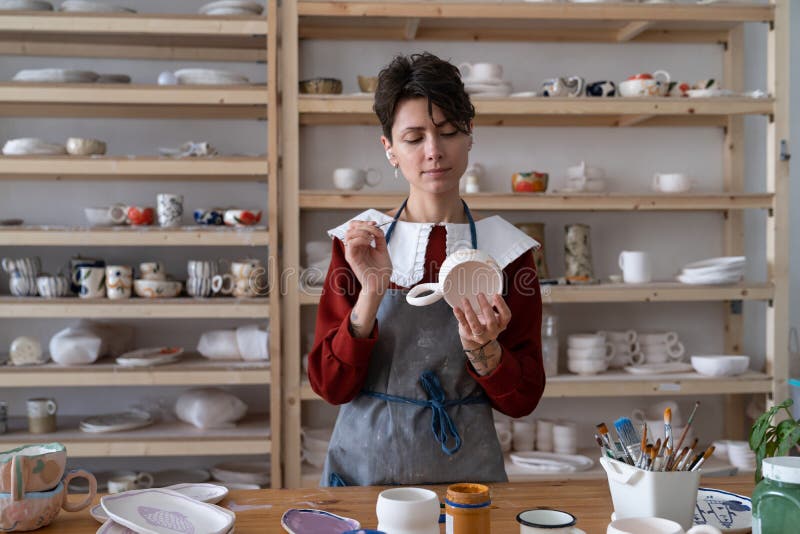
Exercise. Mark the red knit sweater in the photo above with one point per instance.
(338, 362)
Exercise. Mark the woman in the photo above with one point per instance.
(417, 384)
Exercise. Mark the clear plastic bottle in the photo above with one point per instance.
(550, 343)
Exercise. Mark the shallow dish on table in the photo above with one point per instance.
(310, 521)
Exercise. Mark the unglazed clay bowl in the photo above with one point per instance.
(42, 466)
(321, 86)
(367, 84)
(77, 146)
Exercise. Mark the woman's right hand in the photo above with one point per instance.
(371, 265)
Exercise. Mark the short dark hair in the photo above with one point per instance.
(423, 75)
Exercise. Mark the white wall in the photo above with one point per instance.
(630, 156)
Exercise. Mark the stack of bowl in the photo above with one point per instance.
(33, 486)
(315, 445)
(588, 354)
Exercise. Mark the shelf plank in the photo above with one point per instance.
(127, 236)
(190, 371)
(142, 35)
(138, 167)
(518, 21)
(622, 384)
(134, 308)
(334, 199)
(249, 436)
(619, 293)
(608, 112)
(19, 99)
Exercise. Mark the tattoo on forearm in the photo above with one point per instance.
(479, 359)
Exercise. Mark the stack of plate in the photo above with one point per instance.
(495, 87)
(25, 5)
(209, 77)
(85, 6)
(231, 7)
(56, 76)
(723, 270)
(116, 422)
(31, 145)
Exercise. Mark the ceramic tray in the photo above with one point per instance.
(242, 472)
(208, 493)
(161, 511)
(150, 356)
(729, 512)
(309, 521)
(116, 422)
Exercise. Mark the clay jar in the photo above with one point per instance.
(464, 273)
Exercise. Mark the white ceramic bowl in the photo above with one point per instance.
(156, 288)
(585, 341)
(720, 365)
(589, 354)
(586, 367)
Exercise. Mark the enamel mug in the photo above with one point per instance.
(465, 273)
(655, 525)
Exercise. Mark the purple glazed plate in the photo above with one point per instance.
(310, 521)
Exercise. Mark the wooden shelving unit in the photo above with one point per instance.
(161, 37)
(249, 436)
(240, 169)
(190, 371)
(126, 236)
(610, 23)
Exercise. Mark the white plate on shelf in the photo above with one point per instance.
(659, 368)
(713, 279)
(85, 6)
(729, 512)
(242, 5)
(150, 356)
(709, 93)
(55, 76)
(25, 5)
(550, 462)
(116, 422)
(161, 511)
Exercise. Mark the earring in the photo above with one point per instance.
(397, 172)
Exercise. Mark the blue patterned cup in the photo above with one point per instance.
(210, 217)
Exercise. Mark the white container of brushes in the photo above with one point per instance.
(639, 493)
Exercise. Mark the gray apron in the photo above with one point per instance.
(420, 418)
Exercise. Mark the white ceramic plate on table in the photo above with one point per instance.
(161, 511)
(729, 512)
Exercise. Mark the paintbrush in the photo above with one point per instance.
(629, 437)
(602, 445)
(668, 432)
(603, 430)
(656, 450)
(709, 452)
(643, 444)
(678, 459)
(652, 463)
(684, 432)
(689, 456)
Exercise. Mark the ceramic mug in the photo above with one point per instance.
(128, 482)
(523, 435)
(572, 86)
(601, 89)
(408, 510)
(354, 179)
(547, 521)
(22, 285)
(199, 287)
(671, 182)
(655, 525)
(152, 270)
(91, 282)
(41, 415)
(606, 353)
(585, 341)
(203, 268)
(170, 209)
(72, 269)
(662, 353)
(465, 273)
(654, 338)
(656, 84)
(222, 283)
(635, 267)
(119, 281)
(52, 286)
(477, 72)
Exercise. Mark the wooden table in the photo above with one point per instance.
(260, 511)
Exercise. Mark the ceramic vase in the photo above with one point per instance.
(578, 254)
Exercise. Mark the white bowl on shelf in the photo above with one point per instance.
(720, 365)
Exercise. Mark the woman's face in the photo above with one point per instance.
(432, 158)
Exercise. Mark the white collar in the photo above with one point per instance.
(496, 236)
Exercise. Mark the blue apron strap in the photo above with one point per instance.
(335, 481)
(442, 425)
(473, 233)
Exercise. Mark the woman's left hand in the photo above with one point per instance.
(476, 329)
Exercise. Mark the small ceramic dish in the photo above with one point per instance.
(150, 356)
(152, 289)
(208, 493)
(109, 527)
(243, 472)
(209, 77)
(116, 422)
(85, 6)
(141, 215)
(78, 146)
(720, 365)
(729, 512)
(367, 84)
(242, 217)
(310, 521)
(43, 466)
(161, 511)
(321, 86)
(243, 6)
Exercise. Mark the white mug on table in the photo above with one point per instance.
(635, 267)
